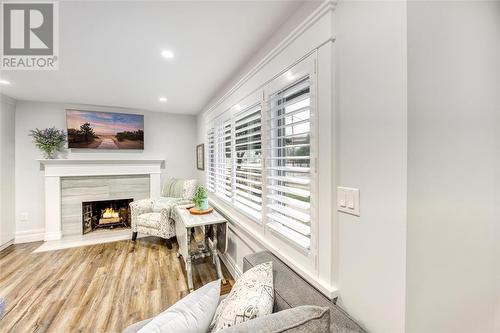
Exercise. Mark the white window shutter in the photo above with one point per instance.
(211, 159)
(288, 164)
(223, 161)
(248, 161)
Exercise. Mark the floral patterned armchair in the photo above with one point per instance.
(154, 217)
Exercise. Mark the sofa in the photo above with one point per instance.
(154, 217)
(291, 292)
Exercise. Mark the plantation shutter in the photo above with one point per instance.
(248, 161)
(288, 167)
(223, 164)
(211, 160)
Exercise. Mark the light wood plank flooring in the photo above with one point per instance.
(98, 288)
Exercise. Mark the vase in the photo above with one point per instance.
(203, 204)
(50, 155)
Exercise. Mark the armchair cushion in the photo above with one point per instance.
(149, 220)
(179, 188)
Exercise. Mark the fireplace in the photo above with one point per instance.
(105, 214)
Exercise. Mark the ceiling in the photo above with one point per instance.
(110, 52)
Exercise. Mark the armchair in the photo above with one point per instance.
(154, 217)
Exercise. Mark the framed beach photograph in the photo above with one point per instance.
(104, 130)
(200, 156)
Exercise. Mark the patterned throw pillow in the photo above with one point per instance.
(189, 189)
(252, 296)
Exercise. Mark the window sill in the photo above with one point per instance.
(248, 226)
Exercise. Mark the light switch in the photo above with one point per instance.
(348, 200)
(342, 199)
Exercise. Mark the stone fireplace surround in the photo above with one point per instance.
(57, 171)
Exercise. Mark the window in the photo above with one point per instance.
(289, 163)
(211, 160)
(264, 159)
(223, 162)
(248, 161)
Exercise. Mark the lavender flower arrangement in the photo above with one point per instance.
(48, 140)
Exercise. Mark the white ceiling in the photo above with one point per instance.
(110, 52)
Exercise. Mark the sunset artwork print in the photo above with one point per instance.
(104, 130)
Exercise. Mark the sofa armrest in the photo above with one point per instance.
(134, 328)
(301, 319)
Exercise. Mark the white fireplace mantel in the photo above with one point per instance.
(56, 168)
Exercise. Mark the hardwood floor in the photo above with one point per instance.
(98, 288)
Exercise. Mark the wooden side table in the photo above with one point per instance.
(184, 223)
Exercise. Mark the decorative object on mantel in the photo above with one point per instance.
(200, 199)
(200, 156)
(49, 140)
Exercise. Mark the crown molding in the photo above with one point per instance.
(325, 7)
(6, 99)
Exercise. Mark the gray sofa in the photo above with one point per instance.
(290, 292)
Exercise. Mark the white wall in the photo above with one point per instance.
(371, 97)
(168, 136)
(453, 165)
(7, 190)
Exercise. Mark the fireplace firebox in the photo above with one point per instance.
(105, 214)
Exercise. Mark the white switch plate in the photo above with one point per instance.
(348, 200)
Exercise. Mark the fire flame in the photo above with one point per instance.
(109, 213)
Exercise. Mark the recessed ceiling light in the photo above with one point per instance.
(167, 54)
(4, 81)
(290, 76)
(163, 99)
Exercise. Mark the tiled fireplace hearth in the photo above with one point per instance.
(76, 191)
(70, 183)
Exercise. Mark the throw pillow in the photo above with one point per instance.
(252, 296)
(192, 314)
(189, 189)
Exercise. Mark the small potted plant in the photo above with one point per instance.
(200, 198)
(48, 140)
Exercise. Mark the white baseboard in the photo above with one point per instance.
(53, 235)
(231, 265)
(93, 238)
(28, 236)
(6, 244)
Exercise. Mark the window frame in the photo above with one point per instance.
(305, 68)
(306, 258)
